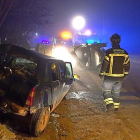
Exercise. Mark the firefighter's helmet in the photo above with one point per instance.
(115, 38)
(53, 66)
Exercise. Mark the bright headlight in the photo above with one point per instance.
(63, 54)
(59, 52)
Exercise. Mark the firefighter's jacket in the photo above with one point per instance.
(116, 63)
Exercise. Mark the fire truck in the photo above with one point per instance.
(45, 47)
(89, 50)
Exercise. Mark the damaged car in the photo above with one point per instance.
(32, 84)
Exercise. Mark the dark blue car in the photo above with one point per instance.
(32, 83)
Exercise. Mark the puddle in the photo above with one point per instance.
(83, 95)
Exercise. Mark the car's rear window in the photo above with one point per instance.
(18, 63)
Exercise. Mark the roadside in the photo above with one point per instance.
(80, 116)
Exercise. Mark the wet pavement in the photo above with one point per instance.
(80, 115)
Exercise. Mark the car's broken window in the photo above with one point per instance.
(25, 65)
(18, 65)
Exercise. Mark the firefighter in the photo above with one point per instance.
(114, 69)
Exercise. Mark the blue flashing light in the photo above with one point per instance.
(45, 42)
(92, 41)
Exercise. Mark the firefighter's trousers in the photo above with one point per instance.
(111, 92)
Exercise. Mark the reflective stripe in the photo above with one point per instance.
(102, 73)
(111, 65)
(126, 72)
(127, 61)
(125, 55)
(115, 92)
(107, 90)
(126, 58)
(108, 101)
(116, 105)
(114, 75)
(107, 58)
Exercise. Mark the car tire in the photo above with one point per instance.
(39, 121)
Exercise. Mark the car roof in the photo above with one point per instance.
(17, 51)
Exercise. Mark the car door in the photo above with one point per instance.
(67, 77)
(69, 73)
(56, 85)
(64, 87)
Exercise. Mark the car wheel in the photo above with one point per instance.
(39, 121)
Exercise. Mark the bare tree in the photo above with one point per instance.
(25, 17)
(5, 6)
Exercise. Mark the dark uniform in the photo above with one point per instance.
(115, 68)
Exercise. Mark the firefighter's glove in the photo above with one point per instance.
(101, 76)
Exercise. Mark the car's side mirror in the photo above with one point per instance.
(77, 77)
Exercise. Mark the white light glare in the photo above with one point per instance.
(78, 23)
(88, 33)
(63, 54)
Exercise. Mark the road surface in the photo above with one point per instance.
(80, 116)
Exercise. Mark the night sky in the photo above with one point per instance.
(112, 16)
